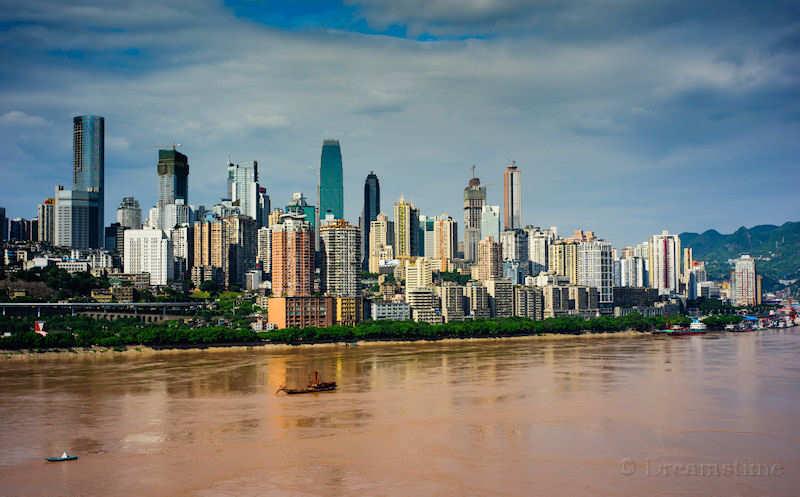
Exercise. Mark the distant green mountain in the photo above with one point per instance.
(775, 248)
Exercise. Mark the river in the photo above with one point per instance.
(710, 416)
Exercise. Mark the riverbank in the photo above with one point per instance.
(135, 351)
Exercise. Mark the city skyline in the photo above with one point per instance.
(602, 129)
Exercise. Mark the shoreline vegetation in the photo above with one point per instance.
(67, 333)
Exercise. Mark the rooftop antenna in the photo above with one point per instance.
(473, 170)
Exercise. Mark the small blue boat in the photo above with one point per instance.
(63, 457)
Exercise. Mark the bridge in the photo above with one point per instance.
(149, 312)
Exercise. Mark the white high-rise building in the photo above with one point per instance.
(665, 262)
(515, 245)
(419, 273)
(340, 244)
(538, 247)
(243, 189)
(745, 284)
(595, 268)
(490, 222)
(73, 218)
(632, 272)
(172, 215)
(381, 232)
(264, 249)
(129, 214)
(149, 251)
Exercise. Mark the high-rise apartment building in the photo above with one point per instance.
(370, 211)
(490, 259)
(340, 247)
(595, 268)
(665, 262)
(292, 257)
(632, 272)
(243, 189)
(445, 240)
(512, 197)
(264, 250)
(490, 221)
(501, 297)
(745, 284)
(406, 229)
(474, 202)
(129, 213)
(419, 274)
(563, 259)
(331, 187)
(173, 177)
(88, 177)
(539, 241)
(149, 251)
(381, 236)
(47, 219)
(515, 245)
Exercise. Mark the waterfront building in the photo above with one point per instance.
(331, 187)
(528, 302)
(292, 257)
(149, 251)
(46, 217)
(745, 283)
(451, 296)
(75, 214)
(490, 259)
(424, 305)
(665, 262)
(340, 247)
(173, 178)
(390, 311)
(301, 311)
(474, 202)
(445, 241)
(512, 197)
(406, 229)
(369, 213)
(501, 297)
(595, 268)
(632, 272)
(348, 310)
(240, 246)
(129, 213)
(88, 178)
(418, 273)
(264, 249)
(563, 259)
(539, 241)
(477, 300)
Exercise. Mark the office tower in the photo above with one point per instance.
(129, 214)
(292, 257)
(88, 176)
(665, 262)
(370, 211)
(745, 282)
(490, 259)
(515, 245)
(595, 268)
(340, 247)
(3, 225)
(445, 241)
(47, 219)
(425, 237)
(512, 197)
(243, 189)
(75, 213)
(406, 229)
(240, 247)
(562, 259)
(381, 235)
(419, 274)
(17, 231)
(299, 205)
(490, 221)
(474, 202)
(538, 248)
(264, 250)
(173, 177)
(149, 251)
(115, 238)
(331, 188)
(172, 215)
(264, 207)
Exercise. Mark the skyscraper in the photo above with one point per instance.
(129, 214)
(746, 284)
(381, 236)
(331, 189)
(665, 262)
(372, 206)
(292, 257)
(406, 229)
(490, 259)
(88, 175)
(490, 222)
(149, 251)
(244, 189)
(47, 218)
(340, 245)
(474, 201)
(3, 225)
(445, 240)
(595, 268)
(75, 212)
(512, 197)
(173, 177)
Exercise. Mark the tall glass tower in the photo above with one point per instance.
(372, 207)
(88, 171)
(173, 177)
(331, 189)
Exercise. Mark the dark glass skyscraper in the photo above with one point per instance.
(173, 177)
(372, 207)
(331, 189)
(88, 171)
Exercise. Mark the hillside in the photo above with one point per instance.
(776, 249)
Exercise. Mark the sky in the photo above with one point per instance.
(626, 117)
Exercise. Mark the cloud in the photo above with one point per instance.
(19, 118)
